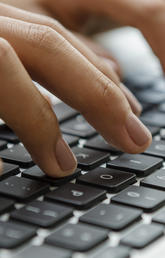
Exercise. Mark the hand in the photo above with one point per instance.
(54, 58)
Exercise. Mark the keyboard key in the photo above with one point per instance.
(142, 236)
(78, 127)
(7, 134)
(5, 205)
(159, 217)
(17, 155)
(162, 134)
(89, 159)
(151, 96)
(154, 118)
(64, 112)
(12, 234)
(79, 196)
(77, 237)
(98, 143)
(9, 170)
(139, 164)
(157, 149)
(153, 130)
(156, 180)
(44, 252)
(71, 140)
(42, 214)
(22, 189)
(111, 216)
(108, 179)
(3, 145)
(114, 252)
(141, 197)
(37, 174)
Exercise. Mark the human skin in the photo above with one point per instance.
(70, 71)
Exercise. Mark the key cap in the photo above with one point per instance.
(9, 170)
(78, 127)
(12, 234)
(98, 143)
(154, 118)
(42, 214)
(22, 189)
(157, 149)
(151, 96)
(64, 112)
(113, 217)
(79, 196)
(44, 252)
(153, 130)
(159, 217)
(71, 140)
(3, 145)
(139, 164)
(110, 180)
(36, 173)
(89, 159)
(7, 134)
(142, 236)
(162, 134)
(141, 197)
(156, 180)
(77, 237)
(5, 205)
(17, 155)
(114, 252)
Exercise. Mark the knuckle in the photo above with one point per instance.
(44, 37)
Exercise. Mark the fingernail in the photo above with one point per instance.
(139, 134)
(64, 155)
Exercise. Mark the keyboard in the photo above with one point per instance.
(112, 206)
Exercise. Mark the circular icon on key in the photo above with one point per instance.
(106, 177)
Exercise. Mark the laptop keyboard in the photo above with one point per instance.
(101, 209)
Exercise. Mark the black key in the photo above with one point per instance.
(156, 180)
(9, 170)
(64, 112)
(98, 143)
(151, 96)
(12, 234)
(78, 127)
(141, 197)
(79, 196)
(89, 159)
(6, 205)
(37, 174)
(114, 252)
(71, 140)
(7, 134)
(141, 165)
(42, 214)
(108, 179)
(77, 237)
(157, 149)
(142, 236)
(159, 217)
(111, 216)
(44, 252)
(3, 145)
(22, 189)
(17, 155)
(154, 118)
(153, 130)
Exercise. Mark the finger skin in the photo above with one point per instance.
(71, 77)
(28, 113)
(104, 64)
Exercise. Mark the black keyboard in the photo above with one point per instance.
(108, 197)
